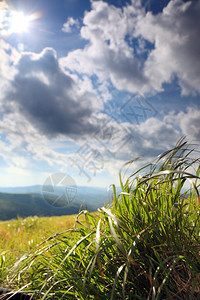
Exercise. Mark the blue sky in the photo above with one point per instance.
(89, 85)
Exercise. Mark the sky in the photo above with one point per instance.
(88, 85)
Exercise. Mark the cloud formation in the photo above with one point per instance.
(175, 36)
(70, 24)
(49, 98)
(107, 54)
(188, 122)
(46, 100)
(139, 51)
(46, 91)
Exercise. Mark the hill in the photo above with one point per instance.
(21, 204)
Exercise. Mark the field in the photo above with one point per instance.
(20, 236)
(145, 245)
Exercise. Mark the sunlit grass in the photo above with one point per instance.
(20, 236)
(146, 245)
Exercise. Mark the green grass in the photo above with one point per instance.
(21, 236)
(146, 245)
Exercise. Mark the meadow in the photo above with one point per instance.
(21, 236)
(145, 245)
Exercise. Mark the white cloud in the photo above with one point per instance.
(71, 23)
(155, 136)
(175, 36)
(117, 48)
(23, 145)
(188, 122)
(8, 59)
(107, 55)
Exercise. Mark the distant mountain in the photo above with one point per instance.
(22, 189)
(48, 201)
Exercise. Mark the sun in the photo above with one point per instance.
(19, 22)
(15, 21)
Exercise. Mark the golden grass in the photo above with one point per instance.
(22, 235)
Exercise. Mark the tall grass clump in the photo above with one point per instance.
(145, 245)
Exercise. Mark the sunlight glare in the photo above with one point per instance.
(19, 22)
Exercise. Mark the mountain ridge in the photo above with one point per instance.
(25, 204)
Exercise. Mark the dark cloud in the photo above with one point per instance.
(48, 98)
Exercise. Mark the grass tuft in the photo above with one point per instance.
(145, 246)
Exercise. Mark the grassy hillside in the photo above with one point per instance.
(20, 236)
(145, 246)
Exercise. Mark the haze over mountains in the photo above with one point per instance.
(33, 200)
